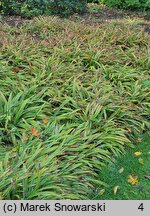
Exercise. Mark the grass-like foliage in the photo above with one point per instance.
(71, 98)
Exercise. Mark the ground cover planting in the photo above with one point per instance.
(74, 95)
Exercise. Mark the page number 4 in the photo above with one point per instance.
(141, 207)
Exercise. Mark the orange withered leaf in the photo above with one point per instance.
(34, 132)
(45, 120)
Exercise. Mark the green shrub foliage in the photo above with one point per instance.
(39, 7)
(128, 4)
(94, 1)
(125, 4)
(24, 7)
(66, 7)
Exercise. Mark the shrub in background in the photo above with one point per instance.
(125, 4)
(94, 1)
(128, 4)
(25, 7)
(65, 7)
(39, 7)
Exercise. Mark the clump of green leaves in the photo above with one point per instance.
(18, 112)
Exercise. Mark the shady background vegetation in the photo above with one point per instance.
(32, 8)
(39, 7)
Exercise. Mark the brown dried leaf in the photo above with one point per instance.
(34, 132)
(147, 177)
(16, 70)
(139, 140)
(26, 137)
(45, 120)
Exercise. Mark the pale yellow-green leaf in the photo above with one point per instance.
(121, 170)
(138, 153)
(115, 189)
(141, 161)
(101, 192)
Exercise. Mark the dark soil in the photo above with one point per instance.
(100, 14)
(14, 21)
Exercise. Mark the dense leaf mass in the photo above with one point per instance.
(38, 7)
(125, 4)
(72, 96)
